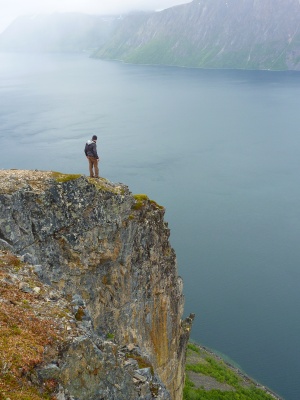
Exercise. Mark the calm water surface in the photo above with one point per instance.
(219, 149)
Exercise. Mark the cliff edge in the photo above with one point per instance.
(106, 253)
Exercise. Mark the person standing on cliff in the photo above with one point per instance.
(92, 156)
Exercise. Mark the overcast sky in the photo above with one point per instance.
(10, 9)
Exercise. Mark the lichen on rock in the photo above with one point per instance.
(113, 262)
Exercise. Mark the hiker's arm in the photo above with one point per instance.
(95, 151)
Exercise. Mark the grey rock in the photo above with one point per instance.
(25, 288)
(4, 245)
(77, 300)
(50, 371)
(139, 377)
(28, 258)
(36, 290)
(108, 252)
(146, 372)
(53, 296)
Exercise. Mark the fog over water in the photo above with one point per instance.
(13, 9)
(219, 149)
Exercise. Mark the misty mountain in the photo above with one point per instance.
(248, 34)
(59, 32)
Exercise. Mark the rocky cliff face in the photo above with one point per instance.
(249, 34)
(108, 253)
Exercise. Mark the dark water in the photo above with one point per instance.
(219, 149)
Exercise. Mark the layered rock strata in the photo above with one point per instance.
(48, 351)
(108, 252)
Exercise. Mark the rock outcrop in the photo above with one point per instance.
(107, 252)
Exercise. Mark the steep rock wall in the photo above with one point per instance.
(94, 240)
(49, 350)
(246, 34)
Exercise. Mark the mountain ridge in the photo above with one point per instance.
(231, 34)
(247, 34)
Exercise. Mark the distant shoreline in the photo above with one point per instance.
(190, 67)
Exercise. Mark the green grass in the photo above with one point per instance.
(217, 370)
(181, 51)
(61, 178)
(190, 393)
(142, 199)
(156, 205)
(193, 347)
(110, 336)
(104, 185)
(202, 363)
(157, 51)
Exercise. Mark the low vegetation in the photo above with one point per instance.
(30, 329)
(106, 186)
(59, 177)
(210, 378)
(142, 362)
(110, 336)
(142, 199)
(217, 370)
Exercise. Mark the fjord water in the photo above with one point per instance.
(219, 149)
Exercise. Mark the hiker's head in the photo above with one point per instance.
(94, 137)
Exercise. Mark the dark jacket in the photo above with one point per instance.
(91, 149)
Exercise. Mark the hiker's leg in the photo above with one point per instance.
(91, 166)
(96, 168)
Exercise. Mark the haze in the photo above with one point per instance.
(13, 8)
